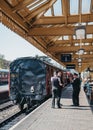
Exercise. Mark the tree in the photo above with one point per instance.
(4, 64)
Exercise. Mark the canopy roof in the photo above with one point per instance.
(50, 26)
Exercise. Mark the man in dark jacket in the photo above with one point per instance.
(76, 89)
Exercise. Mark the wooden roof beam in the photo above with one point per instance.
(76, 63)
(91, 6)
(38, 3)
(83, 60)
(57, 31)
(69, 48)
(52, 10)
(74, 56)
(40, 9)
(66, 9)
(80, 10)
(40, 41)
(73, 41)
(22, 5)
(15, 18)
(83, 64)
(72, 19)
(84, 56)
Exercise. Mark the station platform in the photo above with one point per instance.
(67, 118)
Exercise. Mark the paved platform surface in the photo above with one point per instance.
(66, 118)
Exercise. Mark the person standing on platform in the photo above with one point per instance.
(76, 89)
(59, 75)
(56, 88)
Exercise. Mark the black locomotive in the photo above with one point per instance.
(30, 81)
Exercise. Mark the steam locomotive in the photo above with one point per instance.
(30, 81)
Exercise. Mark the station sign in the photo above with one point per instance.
(66, 57)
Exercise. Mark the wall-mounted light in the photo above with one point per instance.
(80, 32)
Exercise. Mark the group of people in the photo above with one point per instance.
(57, 86)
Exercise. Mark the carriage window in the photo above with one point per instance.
(6, 75)
(2, 75)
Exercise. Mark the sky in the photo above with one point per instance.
(13, 46)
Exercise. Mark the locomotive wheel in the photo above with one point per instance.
(21, 107)
(28, 106)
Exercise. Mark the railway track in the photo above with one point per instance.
(12, 120)
(12, 115)
(5, 105)
(8, 112)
